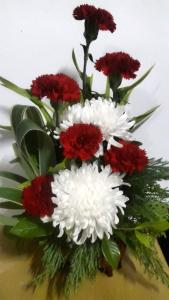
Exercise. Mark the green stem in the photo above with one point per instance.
(86, 53)
(125, 229)
(44, 111)
(116, 97)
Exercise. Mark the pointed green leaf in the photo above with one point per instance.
(111, 252)
(29, 228)
(141, 119)
(8, 128)
(107, 91)
(76, 64)
(12, 176)
(11, 194)
(156, 227)
(91, 57)
(125, 92)
(26, 93)
(145, 239)
(13, 87)
(15, 160)
(8, 221)
(125, 98)
(60, 166)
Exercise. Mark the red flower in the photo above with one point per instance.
(56, 87)
(97, 16)
(85, 12)
(81, 141)
(36, 198)
(118, 63)
(127, 159)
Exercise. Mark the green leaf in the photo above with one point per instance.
(125, 98)
(91, 57)
(107, 92)
(24, 185)
(111, 252)
(17, 115)
(12, 176)
(23, 161)
(8, 128)
(13, 87)
(26, 93)
(61, 166)
(157, 227)
(8, 221)
(89, 81)
(15, 160)
(145, 239)
(9, 205)
(34, 146)
(29, 228)
(76, 64)
(141, 119)
(125, 92)
(11, 194)
(37, 145)
(33, 113)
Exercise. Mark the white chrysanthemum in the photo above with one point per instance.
(111, 119)
(87, 202)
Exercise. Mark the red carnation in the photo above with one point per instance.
(81, 141)
(127, 159)
(36, 198)
(96, 16)
(56, 87)
(118, 63)
(85, 12)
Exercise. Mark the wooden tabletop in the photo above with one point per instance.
(130, 283)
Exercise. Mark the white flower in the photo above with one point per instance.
(111, 119)
(87, 202)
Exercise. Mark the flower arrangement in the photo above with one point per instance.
(89, 191)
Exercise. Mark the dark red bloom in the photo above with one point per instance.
(127, 159)
(118, 63)
(97, 16)
(81, 141)
(36, 198)
(85, 12)
(56, 87)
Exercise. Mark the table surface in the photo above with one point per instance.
(129, 283)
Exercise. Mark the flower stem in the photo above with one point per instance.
(86, 53)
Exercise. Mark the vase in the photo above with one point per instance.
(128, 283)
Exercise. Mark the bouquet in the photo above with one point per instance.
(89, 190)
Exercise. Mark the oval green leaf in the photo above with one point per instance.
(11, 194)
(29, 228)
(111, 252)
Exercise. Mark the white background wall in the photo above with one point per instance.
(37, 36)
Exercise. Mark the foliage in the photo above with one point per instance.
(148, 257)
(147, 198)
(39, 152)
(67, 265)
